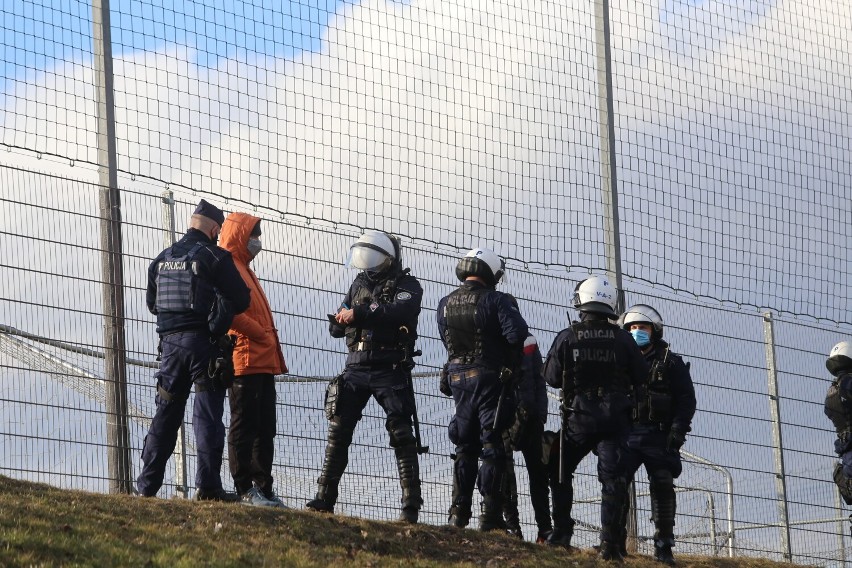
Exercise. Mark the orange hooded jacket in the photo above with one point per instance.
(258, 349)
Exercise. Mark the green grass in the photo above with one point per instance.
(44, 526)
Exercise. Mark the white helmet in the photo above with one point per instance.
(483, 263)
(643, 313)
(840, 358)
(374, 252)
(596, 295)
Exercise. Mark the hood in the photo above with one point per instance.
(235, 235)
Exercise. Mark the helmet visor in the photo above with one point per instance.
(364, 257)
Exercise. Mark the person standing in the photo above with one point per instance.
(525, 435)
(257, 359)
(665, 405)
(597, 365)
(378, 318)
(484, 335)
(838, 409)
(194, 289)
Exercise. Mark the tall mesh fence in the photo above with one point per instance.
(452, 124)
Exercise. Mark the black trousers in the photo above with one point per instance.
(251, 438)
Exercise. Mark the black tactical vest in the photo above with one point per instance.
(378, 338)
(656, 404)
(596, 367)
(180, 289)
(463, 337)
(836, 410)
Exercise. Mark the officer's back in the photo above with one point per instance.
(194, 285)
(596, 362)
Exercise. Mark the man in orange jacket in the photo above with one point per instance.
(257, 359)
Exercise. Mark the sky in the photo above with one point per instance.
(449, 122)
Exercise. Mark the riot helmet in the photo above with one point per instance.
(840, 358)
(595, 295)
(643, 313)
(483, 263)
(375, 252)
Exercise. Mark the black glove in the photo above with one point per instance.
(676, 440)
(221, 368)
(444, 385)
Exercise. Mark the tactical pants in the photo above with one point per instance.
(251, 438)
(646, 445)
(184, 360)
(389, 385)
(530, 446)
(476, 392)
(578, 444)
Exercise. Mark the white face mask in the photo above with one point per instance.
(254, 246)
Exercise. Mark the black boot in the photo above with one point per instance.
(336, 458)
(325, 498)
(563, 524)
(409, 480)
(663, 509)
(491, 518)
(663, 551)
(459, 516)
(464, 468)
(611, 552)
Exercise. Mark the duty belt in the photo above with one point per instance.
(370, 346)
(462, 360)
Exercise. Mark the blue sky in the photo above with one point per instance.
(41, 33)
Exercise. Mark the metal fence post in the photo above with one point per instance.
(169, 238)
(115, 364)
(777, 443)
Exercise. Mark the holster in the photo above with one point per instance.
(844, 484)
(332, 395)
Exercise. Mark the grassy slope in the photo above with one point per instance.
(42, 525)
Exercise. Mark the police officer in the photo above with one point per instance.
(525, 436)
(838, 408)
(378, 318)
(484, 334)
(597, 365)
(195, 290)
(665, 405)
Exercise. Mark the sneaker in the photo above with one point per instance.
(270, 495)
(255, 498)
(543, 535)
(216, 495)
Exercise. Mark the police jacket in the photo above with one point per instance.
(194, 286)
(600, 365)
(531, 390)
(258, 349)
(381, 308)
(838, 408)
(479, 326)
(667, 395)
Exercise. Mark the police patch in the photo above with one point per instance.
(374, 306)
(403, 296)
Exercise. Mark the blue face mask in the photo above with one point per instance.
(641, 337)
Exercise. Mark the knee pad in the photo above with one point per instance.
(401, 433)
(339, 435)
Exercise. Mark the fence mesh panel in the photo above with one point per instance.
(453, 124)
